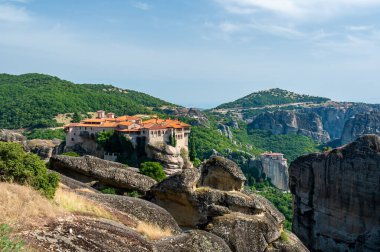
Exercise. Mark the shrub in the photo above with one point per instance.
(108, 190)
(197, 162)
(153, 170)
(71, 154)
(21, 167)
(284, 236)
(6, 242)
(134, 194)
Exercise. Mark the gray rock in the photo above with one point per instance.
(193, 241)
(11, 136)
(361, 124)
(221, 173)
(111, 173)
(337, 197)
(246, 222)
(291, 122)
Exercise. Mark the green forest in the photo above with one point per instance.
(32, 100)
(274, 96)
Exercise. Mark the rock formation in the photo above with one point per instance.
(337, 197)
(361, 124)
(247, 222)
(173, 159)
(291, 122)
(78, 232)
(222, 174)
(43, 148)
(275, 168)
(11, 136)
(107, 172)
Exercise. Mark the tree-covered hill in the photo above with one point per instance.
(31, 100)
(269, 97)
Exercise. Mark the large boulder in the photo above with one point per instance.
(221, 173)
(337, 197)
(45, 149)
(107, 172)
(246, 222)
(169, 156)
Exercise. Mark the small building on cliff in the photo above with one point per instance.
(275, 167)
(150, 132)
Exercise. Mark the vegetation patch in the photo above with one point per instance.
(153, 231)
(49, 134)
(21, 167)
(153, 170)
(8, 243)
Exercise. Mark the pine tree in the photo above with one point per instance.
(76, 117)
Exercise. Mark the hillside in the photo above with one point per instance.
(270, 97)
(32, 100)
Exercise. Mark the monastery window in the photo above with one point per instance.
(72, 139)
(85, 128)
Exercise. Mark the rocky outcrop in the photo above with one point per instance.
(222, 174)
(225, 130)
(337, 197)
(193, 241)
(361, 124)
(11, 136)
(291, 122)
(45, 149)
(107, 172)
(275, 168)
(170, 157)
(246, 222)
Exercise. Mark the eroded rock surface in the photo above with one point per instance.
(246, 222)
(107, 172)
(292, 122)
(221, 173)
(337, 197)
(367, 123)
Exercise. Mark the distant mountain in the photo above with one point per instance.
(270, 97)
(34, 99)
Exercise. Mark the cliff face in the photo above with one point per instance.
(367, 123)
(337, 197)
(277, 172)
(291, 122)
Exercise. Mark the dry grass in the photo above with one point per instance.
(75, 203)
(152, 231)
(23, 206)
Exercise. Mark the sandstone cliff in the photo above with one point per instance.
(337, 197)
(291, 122)
(212, 199)
(367, 123)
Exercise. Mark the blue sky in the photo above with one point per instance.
(199, 52)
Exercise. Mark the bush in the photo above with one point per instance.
(134, 194)
(6, 242)
(109, 190)
(197, 162)
(21, 167)
(153, 170)
(71, 154)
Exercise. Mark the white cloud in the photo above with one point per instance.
(142, 6)
(10, 13)
(298, 9)
(359, 28)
